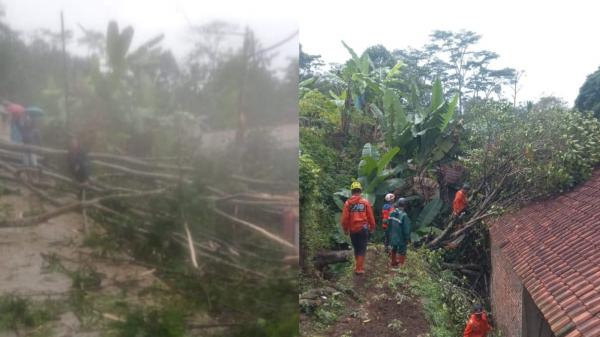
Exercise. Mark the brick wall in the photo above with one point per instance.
(506, 295)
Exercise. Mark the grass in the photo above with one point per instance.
(151, 322)
(446, 307)
(18, 314)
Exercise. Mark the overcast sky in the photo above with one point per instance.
(272, 21)
(557, 43)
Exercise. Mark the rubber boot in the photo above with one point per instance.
(360, 265)
(394, 260)
(401, 259)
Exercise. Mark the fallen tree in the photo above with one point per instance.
(133, 184)
(324, 258)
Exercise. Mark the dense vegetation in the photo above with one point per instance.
(399, 120)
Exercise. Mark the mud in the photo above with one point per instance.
(25, 271)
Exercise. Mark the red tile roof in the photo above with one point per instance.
(554, 247)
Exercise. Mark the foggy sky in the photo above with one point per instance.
(271, 20)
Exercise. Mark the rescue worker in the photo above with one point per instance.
(358, 222)
(459, 206)
(399, 233)
(477, 325)
(388, 207)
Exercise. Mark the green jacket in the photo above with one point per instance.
(399, 228)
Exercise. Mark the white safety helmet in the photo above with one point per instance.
(389, 197)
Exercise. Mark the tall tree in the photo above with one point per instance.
(515, 83)
(458, 48)
(454, 59)
(380, 56)
(309, 64)
(589, 94)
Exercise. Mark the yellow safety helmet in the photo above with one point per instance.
(356, 186)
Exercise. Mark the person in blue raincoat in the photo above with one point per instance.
(399, 233)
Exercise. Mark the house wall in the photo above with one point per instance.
(534, 323)
(506, 295)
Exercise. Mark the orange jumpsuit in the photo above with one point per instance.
(477, 327)
(460, 202)
(358, 220)
(357, 215)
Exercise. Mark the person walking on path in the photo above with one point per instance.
(477, 325)
(399, 233)
(388, 207)
(358, 221)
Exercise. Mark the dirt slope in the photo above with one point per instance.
(25, 268)
(388, 309)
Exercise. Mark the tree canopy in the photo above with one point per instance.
(589, 94)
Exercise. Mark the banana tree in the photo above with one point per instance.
(119, 57)
(355, 82)
(432, 136)
(374, 175)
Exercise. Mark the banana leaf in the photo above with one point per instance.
(389, 185)
(429, 212)
(367, 166)
(437, 96)
(386, 159)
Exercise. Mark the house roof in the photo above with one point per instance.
(554, 247)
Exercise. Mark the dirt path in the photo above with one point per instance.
(387, 308)
(25, 268)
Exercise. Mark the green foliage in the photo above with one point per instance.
(117, 46)
(318, 108)
(18, 313)
(311, 237)
(155, 322)
(446, 300)
(309, 64)
(549, 151)
(86, 278)
(428, 214)
(432, 137)
(375, 179)
(589, 94)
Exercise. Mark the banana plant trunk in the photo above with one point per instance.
(346, 114)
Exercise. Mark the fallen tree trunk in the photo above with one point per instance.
(137, 173)
(34, 220)
(324, 258)
(472, 266)
(39, 150)
(258, 229)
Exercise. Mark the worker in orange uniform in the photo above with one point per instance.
(477, 325)
(388, 207)
(459, 206)
(358, 221)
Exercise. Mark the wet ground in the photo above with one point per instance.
(26, 266)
